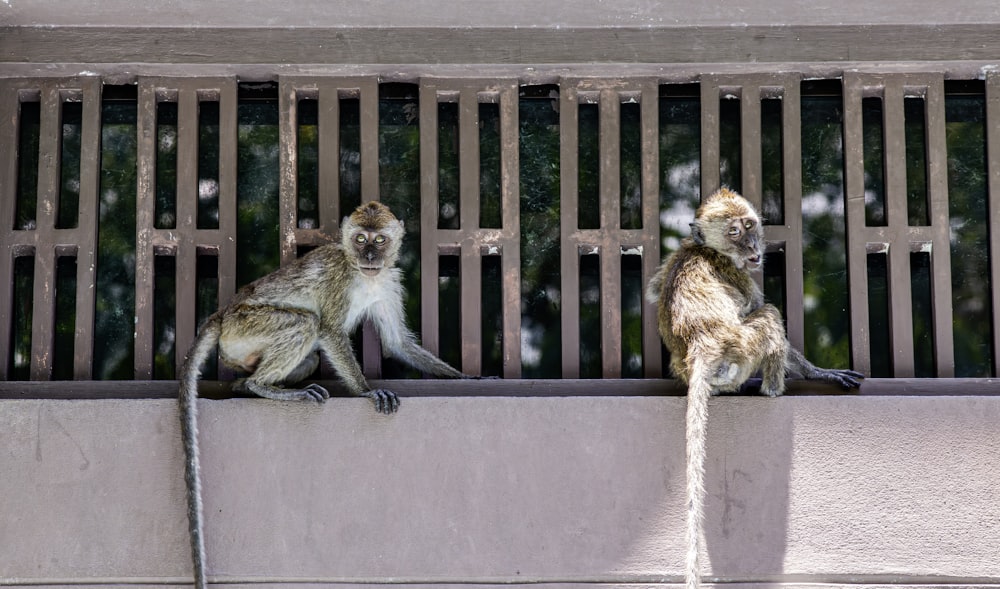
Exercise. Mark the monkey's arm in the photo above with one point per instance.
(399, 342)
(409, 351)
(336, 347)
(797, 364)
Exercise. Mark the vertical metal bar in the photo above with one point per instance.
(144, 228)
(468, 164)
(368, 115)
(750, 158)
(228, 137)
(857, 251)
(750, 138)
(791, 142)
(650, 138)
(43, 311)
(10, 119)
(288, 125)
(86, 254)
(328, 119)
(471, 276)
(710, 171)
(937, 192)
(429, 267)
(187, 214)
(993, 188)
(900, 297)
(369, 138)
(568, 202)
(43, 308)
(610, 212)
(49, 152)
(510, 264)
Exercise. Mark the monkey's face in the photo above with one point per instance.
(747, 243)
(371, 246)
(374, 234)
(729, 224)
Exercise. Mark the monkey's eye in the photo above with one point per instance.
(379, 239)
(360, 238)
(748, 224)
(734, 230)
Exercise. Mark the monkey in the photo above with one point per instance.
(276, 328)
(719, 331)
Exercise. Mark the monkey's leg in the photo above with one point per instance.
(303, 370)
(275, 346)
(759, 343)
(797, 363)
(769, 330)
(271, 373)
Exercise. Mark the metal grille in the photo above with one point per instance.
(897, 238)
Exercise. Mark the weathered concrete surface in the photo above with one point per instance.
(567, 490)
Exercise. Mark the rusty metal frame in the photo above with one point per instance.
(45, 242)
(185, 242)
(470, 242)
(897, 239)
(609, 241)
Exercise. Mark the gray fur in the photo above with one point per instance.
(276, 328)
(719, 331)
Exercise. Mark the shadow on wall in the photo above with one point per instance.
(747, 477)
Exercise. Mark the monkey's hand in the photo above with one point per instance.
(385, 401)
(847, 379)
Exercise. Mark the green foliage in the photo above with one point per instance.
(541, 341)
(114, 328)
(827, 328)
(257, 185)
(970, 268)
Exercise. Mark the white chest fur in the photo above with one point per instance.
(373, 297)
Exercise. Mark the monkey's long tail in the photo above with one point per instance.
(697, 420)
(203, 346)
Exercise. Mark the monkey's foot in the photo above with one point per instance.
(848, 379)
(385, 401)
(316, 392)
(771, 391)
(725, 376)
(311, 392)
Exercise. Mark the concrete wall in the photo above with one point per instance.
(571, 490)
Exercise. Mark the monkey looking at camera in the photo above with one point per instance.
(713, 320)
(275, 329)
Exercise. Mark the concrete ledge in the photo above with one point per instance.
(802, 490)
(678, 44)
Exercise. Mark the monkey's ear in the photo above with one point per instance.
(697, 234)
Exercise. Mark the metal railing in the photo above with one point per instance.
(38, 235)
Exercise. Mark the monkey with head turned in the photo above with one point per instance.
(719, 331)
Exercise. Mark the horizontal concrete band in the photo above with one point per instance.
(731, 43)
(562, 490)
